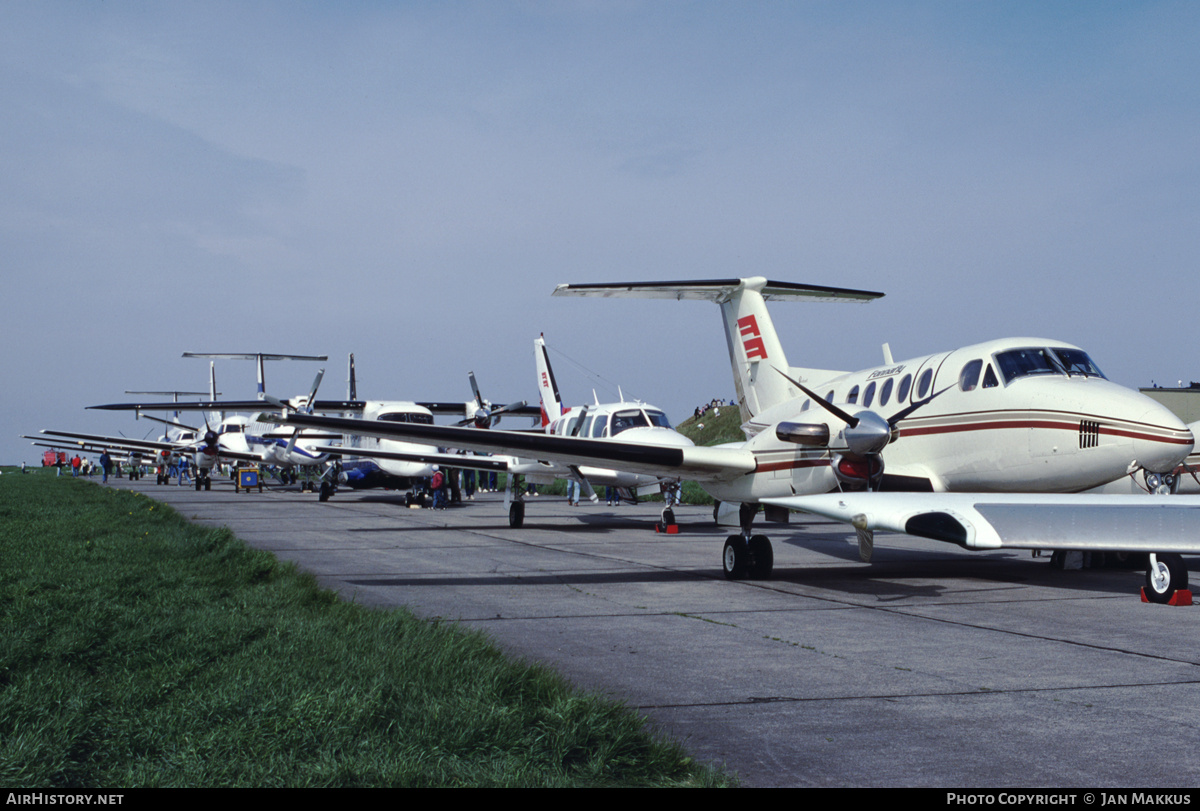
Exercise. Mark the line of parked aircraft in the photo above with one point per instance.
(1003, 444)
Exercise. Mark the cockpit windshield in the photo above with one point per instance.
(407, 416)
(624, 420)
(1024, 362)
(1077, 362)
(1016, 363)
(658, 419)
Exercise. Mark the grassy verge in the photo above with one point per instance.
(139, 650)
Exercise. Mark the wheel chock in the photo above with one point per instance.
(669, 529)
(1180, 597)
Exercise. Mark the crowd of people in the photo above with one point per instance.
(713, 405)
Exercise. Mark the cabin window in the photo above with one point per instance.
(869, 394)
(905, 385)
(587, 427)
(968, 379)
(1025, 362)
(853, 398)
(886, 392)
(568, 428)
(829, 396)
(923, 383)
(989, 378)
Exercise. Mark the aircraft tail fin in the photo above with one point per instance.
(754, 348)
(547, 386)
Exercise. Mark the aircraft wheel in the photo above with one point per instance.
(198, 485)
(762, 558)
(325, 492)
(1166, 576)
(516, 514)
(735, 559)
(668, 516)
(207, 483)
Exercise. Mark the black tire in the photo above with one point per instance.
(668, 517)
(516, 514)
(208, 483)
(1173, 577)
(762, 558)
(199, 484)
(735, 558)
(326, 491)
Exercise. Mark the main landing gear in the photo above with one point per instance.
(747, 555)
(514, 496)
(1166, 575)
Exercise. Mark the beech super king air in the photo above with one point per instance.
(1022, 415)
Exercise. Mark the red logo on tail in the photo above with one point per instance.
(752, 340)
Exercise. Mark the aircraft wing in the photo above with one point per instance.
(1129, 523)
(147, 445)
(118, 441)
(446, 459)
(79, 445)
(231, 405)
(696, 463)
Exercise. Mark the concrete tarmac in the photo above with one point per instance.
(929, 667)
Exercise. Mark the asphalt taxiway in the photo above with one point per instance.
(929, 667)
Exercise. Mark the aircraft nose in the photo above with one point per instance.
(1166, 441)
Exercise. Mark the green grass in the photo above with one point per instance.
(716, 430)
(139, 650)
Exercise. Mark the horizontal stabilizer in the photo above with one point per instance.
(716, 290)
(252, 356)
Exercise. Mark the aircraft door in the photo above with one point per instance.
(925, 377)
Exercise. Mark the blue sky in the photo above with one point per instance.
(408, 182)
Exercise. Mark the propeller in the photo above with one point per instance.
(866, 433)
(307, 402)
(485, 412)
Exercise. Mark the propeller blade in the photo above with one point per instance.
(509, 407)
(312, 394)
(579, 424)
(822, 402)
(475, 388)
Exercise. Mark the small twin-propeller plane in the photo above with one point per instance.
(236, 438)
(634, 422)
(987, 446)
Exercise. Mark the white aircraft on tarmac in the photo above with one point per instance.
(238, 438)
(633, 422)
(992, 442)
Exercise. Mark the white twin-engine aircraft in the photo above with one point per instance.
(634, 422)
(1026, 416)
(236, 438)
